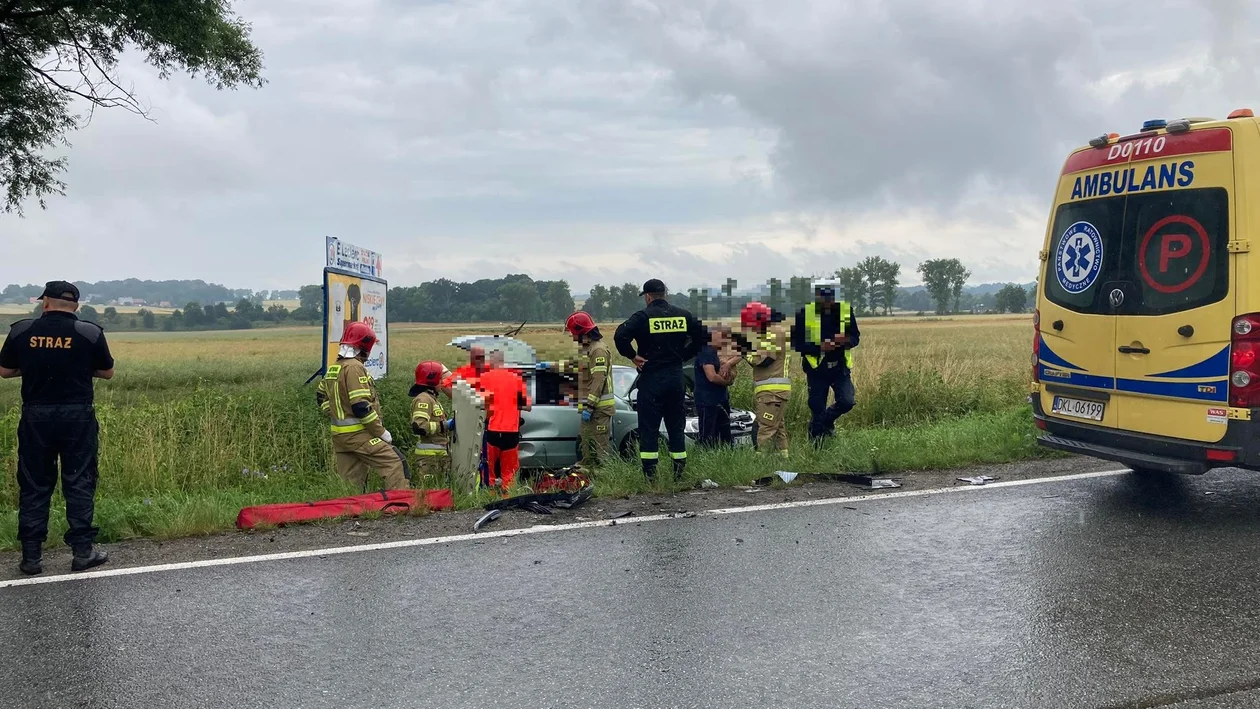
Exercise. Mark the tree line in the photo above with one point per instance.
(515, 298)
(872, 287)
(151, 292)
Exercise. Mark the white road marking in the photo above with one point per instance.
(539, 529)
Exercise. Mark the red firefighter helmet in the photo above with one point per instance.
(579, 324)
(429, 374)
(755, 315)
(359, 335)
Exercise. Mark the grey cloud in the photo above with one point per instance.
(879, 105)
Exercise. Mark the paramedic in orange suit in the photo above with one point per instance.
(506, 397)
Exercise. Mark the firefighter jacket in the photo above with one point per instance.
(348, 396)
(771, 361)
(593, 368)
(666, 336)
(428, 422)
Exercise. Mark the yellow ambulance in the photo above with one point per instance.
(1148, 325)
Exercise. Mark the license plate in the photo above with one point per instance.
(743, 440)
(1078, 408)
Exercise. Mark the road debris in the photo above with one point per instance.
(978, 480)
(785, 476)
(709, 485)
(619, 515)
(487, 518)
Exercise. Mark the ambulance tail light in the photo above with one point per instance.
(1036, 350)
(1244, 362)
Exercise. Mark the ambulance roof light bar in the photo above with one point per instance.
(1102, 140)
(1242, 113)
(1153, 124)
(1179, 126)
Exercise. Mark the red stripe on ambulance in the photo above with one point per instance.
(1151, 147)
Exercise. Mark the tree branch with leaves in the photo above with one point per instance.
(55, 54)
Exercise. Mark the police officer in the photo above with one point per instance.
(666, 336)
(57, 355)
(825, 333)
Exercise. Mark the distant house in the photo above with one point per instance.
(165, 304)
(125, 301)
(34, 300)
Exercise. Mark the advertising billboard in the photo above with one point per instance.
(349, 258)
(351, 298)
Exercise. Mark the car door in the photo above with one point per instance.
(1076, 326)
(1173, 329)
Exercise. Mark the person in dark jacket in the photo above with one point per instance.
(57, 356)
(666, 336)
(825, 333)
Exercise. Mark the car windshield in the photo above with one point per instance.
(623, 379)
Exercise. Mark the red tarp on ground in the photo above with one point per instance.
(393, 501)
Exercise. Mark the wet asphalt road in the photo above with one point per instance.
(1117, 591)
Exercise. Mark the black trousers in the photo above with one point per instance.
(822, 382)
(715, 426)
(662, 396)
(48, 435)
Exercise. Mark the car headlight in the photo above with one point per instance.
(692, 427)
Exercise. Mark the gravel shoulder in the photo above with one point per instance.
(145, 552)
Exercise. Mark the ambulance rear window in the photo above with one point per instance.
(1177, 248)
(1084, 252)
(1165, 252)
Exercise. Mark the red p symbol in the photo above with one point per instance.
(1167, 252)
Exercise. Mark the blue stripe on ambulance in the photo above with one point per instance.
(1049, 357)
(1214, 369)
(1215, 366)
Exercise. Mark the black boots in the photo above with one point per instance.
(32, 558)
(86, 557)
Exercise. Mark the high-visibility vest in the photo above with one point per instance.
(813, 331)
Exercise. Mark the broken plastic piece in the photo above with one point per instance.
(487, 518)
(883, 482)
(785, 476)
(709, 485)
(619, 515)
(536, 508)
(978, 479)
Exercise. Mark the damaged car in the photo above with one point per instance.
(549, 435)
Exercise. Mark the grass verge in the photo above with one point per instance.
(126, 512)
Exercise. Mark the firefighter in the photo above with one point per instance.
(596, 404)
(666, 336)
(430, 424)
(770, 358)
(57, 356)
(348, 396)
(506, 397)
(825, 333)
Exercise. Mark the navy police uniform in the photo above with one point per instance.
(56, 356)
(666, 336)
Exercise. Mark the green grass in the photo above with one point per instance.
(192, 418)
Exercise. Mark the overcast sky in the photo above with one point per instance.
(616, 140)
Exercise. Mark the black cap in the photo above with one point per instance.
(61, 290)
(655, 286)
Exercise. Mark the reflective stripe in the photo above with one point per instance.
(360, 394)
(649, 456)
(773, 384)
(430, 449)
(678, 456)
(353, 428)
(432, 454)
